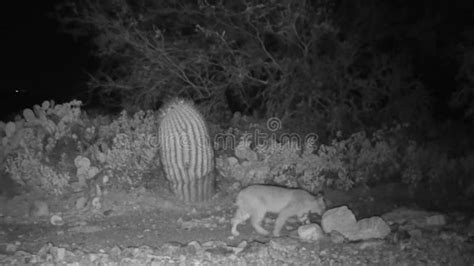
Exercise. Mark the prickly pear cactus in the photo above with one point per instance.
(186, 152)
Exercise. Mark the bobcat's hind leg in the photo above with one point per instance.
(280, 221)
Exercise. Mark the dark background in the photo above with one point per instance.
(39, 62)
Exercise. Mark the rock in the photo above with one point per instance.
(39, 209)
(82, 162)
(56, 220)
(339, 219)
(417, 218)
(255, 249)
(436, 220)
(372, 244)
(96, 203)
(170, 248)
(217, 248)
(284, 244)
(115, 251)
(105, 179)
(337, 238)
(192, 248)
(60, 254)
(81, 203)
(11, 248)
(369, 228)
(407, 216)
(343, 221)
(415, 233)
(310, 232)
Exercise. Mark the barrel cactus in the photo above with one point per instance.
(186, 153)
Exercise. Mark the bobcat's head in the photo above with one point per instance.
(318, 206)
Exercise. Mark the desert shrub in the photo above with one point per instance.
(359, 159)
(281, 159)
(53, 148)
(282, 58)
(31, 172)
(376, 157)
(37, 148)
(464, 95)
(389, 154)
(435, 169)
(127, 147)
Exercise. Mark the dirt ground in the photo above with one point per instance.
(148, 217)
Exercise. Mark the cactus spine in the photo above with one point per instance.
(186, 153)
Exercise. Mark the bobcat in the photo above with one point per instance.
(255, 201)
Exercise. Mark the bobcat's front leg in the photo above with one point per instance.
(257, 218)
(239, 217)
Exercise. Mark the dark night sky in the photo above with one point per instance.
(49, 64)
(37, 58)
